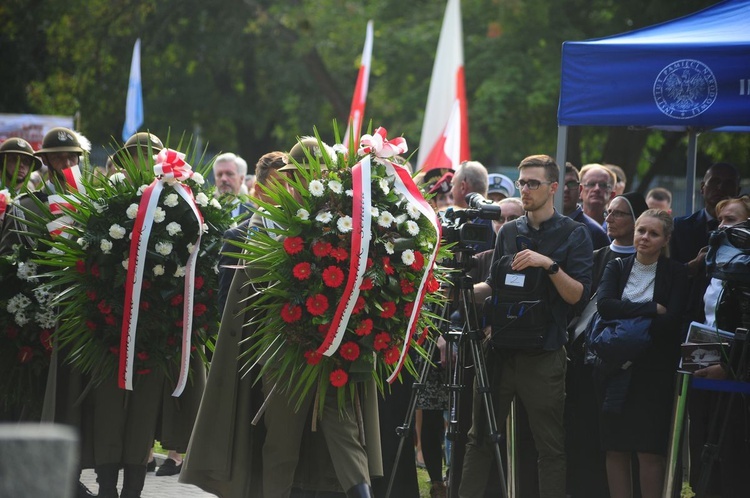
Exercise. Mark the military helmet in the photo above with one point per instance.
(60, 140)
(21, 147)
(143, 140)
(298, 153)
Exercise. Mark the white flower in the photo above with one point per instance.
(21, 319)
(117, 178)
(324, 217)
(163, 248)
(413, 211)
(198, 178)
(407, 257)
(141, 189)
(201, 199)
(400, 219)
(335, 187)
(216, 269)
(204, 228)
(412, 228)
(179, 272)
(171, 200)
(132, 211)
(340, 149)
(117, 232)
(215, 204)
(344, 224)
(385, 219)
(374, 211)
(55, 251)
(105, 245)
(159, 215)
(316, 188)
(26, 270)
(191, 248)
(83, 243)
(173, 228)
(100, 205)
(383, 183)
(125, 263)
(350, 193)
(303, 214)
(389, 247)
(17, 303)
(46, 319)
(42, 295)
(158, 270)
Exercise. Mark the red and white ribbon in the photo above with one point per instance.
(378, 145)
(359, 251)
(58, 203)
(4, 201)
(170, 168)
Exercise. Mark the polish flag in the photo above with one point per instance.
(359, 99)
(445, 131)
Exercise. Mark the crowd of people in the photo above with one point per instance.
(585, 427)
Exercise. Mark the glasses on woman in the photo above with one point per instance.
(532, 184)
(619, 214)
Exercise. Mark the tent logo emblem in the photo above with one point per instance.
(685, 88)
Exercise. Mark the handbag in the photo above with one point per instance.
(617, 341)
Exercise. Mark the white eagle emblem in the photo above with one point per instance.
(685, 89)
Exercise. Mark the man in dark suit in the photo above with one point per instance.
(229, 175)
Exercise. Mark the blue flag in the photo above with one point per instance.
(134, 103)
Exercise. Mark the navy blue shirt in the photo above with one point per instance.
(598, 233)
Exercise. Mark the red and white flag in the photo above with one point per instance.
(445, 131)
(359, 99)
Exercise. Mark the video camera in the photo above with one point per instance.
(457, 228)
(728, 256)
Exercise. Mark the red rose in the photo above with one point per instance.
(44, 338)
(176, 300)
(389, 309)
(25, 354)
(198, 283)
(418, 263)
(91, 325)
(333, 276)
(338, 378)
(110, 320)
(317, 304)
(81, 266)
(91, 295)
(321, 249)
(366, 284)
(387, 268)
(359, 305)
(408, 308)
(142, 355)
(406, 286)
(11, 332)
(293, 245)
(339, 254)
(432, 284)
(95, 270)
(364, 327)
(349, 351)
(313, 357)
(199, 309)
(104, 308)
(391, 355)
(291, 313)
(145, 305)
(302, 271)
(381, 341)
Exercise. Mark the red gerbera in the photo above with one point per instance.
(381, 341)
(418, 263)
(91, 295)
(364, 327)
(91, 325)
(110, 320)
(291, 313)
(317, 304)
(366, 284)
(408, 308)
(387, 266)
(333, 276)
(323, 328)
(176, 300)
(104, 308)
(406, 286)
(302, 271)
(389, 309)
(359, 305)
(349, 351)
(80, 266)
(44, 338)
(198, 282)
(339, 254)
(25, 354)
(391, 355)
(338, 378)
(432, 284)
(95, 270)
(313, 357)
(422, 336)
(321, 249)
(199, 309)
(293, 245)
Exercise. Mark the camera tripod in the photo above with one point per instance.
(462, 292)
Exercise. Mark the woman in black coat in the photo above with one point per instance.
(637, 398)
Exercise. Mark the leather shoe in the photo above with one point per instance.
(151, 466)
(169, 468)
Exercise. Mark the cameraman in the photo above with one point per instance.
(536, 375)
(472, 176)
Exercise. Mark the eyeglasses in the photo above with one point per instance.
(619, 214)
(601, 185)
(572, 184)
(532, 184)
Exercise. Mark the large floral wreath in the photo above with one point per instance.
(342, 284)
(135, 261)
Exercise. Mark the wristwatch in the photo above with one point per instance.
(553, 268)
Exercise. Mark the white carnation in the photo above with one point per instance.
(350, 193)
(413, 211)
(117, 232)
(385, 219)
(323, 217)
(383, 183)
(105, 245)
(198, 178)
(407, 257)
(191, 248)
(344, 224)
(132, 211)
(201, 199)
(117, 178)
(158, 270)
(164, 248)
(125, 263)
(204, 228)
(316, 188)
(215, 204)
(303, 214)
(179, 272)
(171, 200)
(159, 215)
(412, 228)
(100, 205)
(174, 228)
(141, 189)
(335, 187)
(83, 243)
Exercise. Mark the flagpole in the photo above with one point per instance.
(134, 101)
(359, 98)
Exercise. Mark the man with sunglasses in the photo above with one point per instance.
(597, 189)
(571, 208)
(561, 247)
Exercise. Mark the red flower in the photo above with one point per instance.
(422, 336)
(408, 308)
(110, 320)
(104, 308)
(381, 341)
(418, 263)
(91, 325)
(366, 284)
(359, 305)
(389, 309)
(333, 276)
(179, 323)
(11, 332)
(339, 254)
(143, 371)
(369, 263)
(317, 304)
(432, 284)
(142, 355)
(145, 305)
(44, 338)
(176, 300)
(391, 355)
(321, 249)
(91, 295)
(81, 266)
(338, 378)
(302, 271)
(25, 354)
(95, 270)
(293, 245)
(198, 283)
(291, 313)
(313, 357)
(349, 351)
(323, 328)
(364, 327)
(114, 350)
(387, 268)
(406, 286)
(199, 309)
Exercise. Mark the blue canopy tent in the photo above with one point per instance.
(690, 74)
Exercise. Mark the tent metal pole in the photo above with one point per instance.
(692, 158)
(562, 150)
